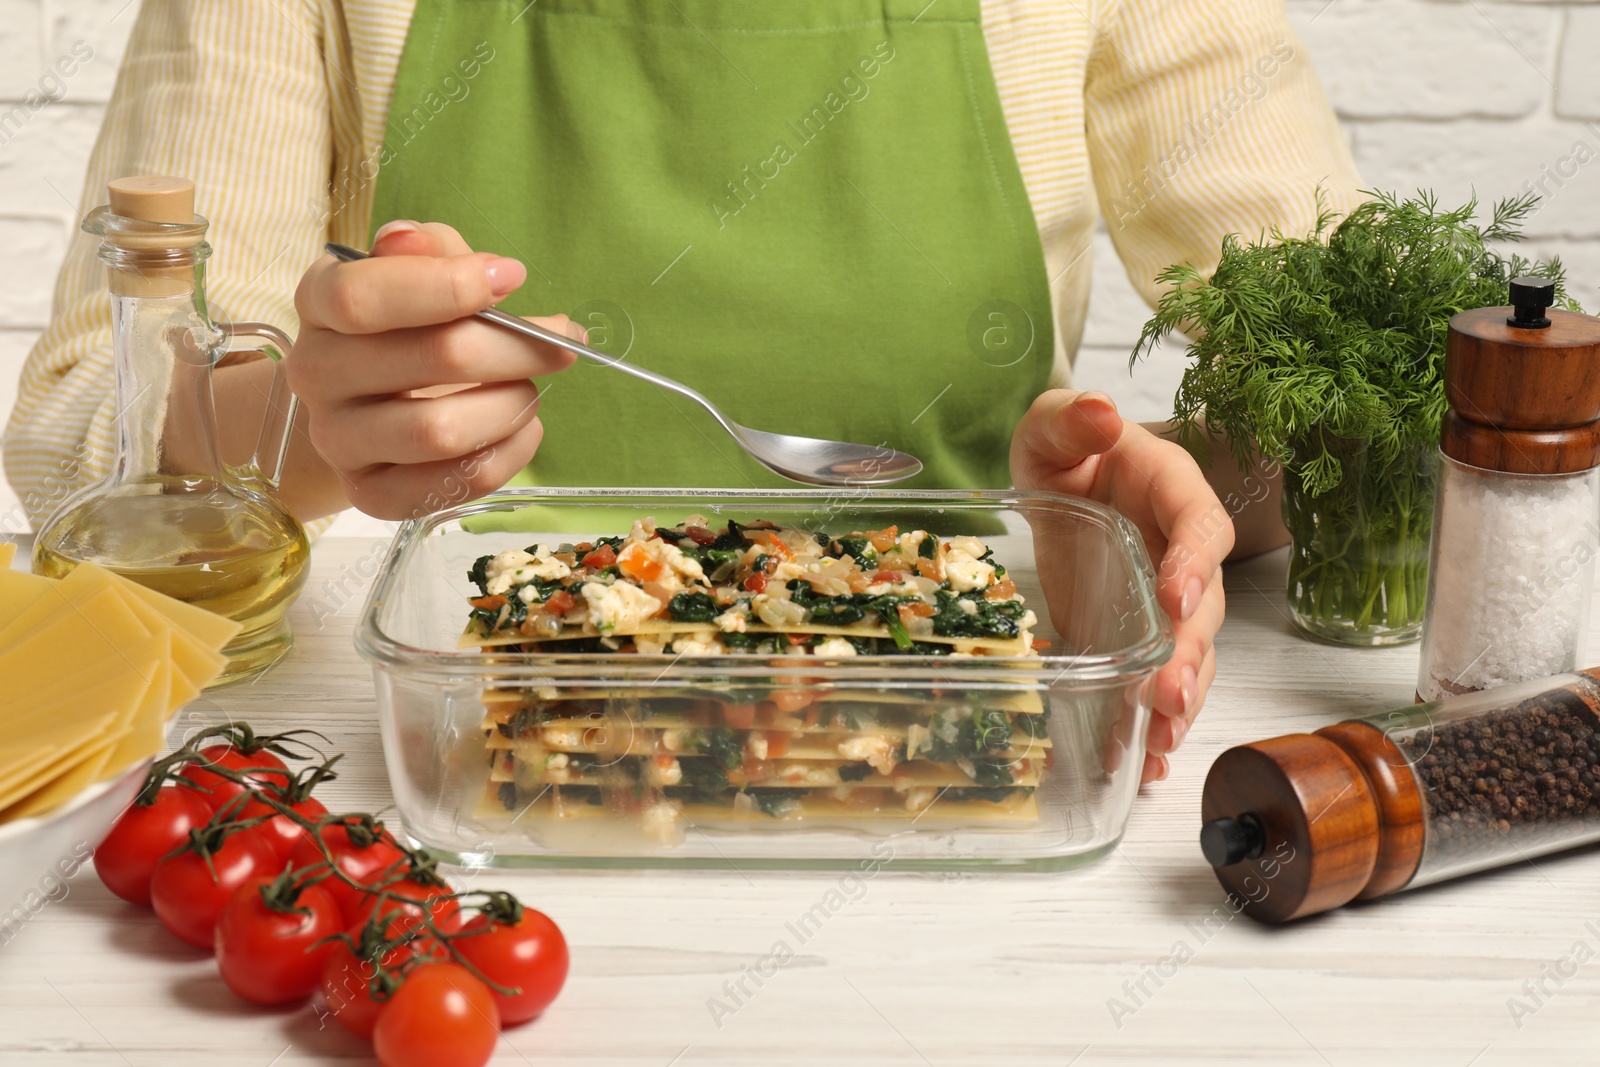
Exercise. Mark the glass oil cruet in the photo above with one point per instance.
(172, 515)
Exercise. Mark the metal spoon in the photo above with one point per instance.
(800, 459)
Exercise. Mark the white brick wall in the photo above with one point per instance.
(1453, 95)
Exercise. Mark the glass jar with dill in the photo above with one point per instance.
(1324, 355)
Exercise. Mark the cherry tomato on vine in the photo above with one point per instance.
(346, 982)
(282, 832)
(366, 857)
(529, 956)
(261, 768)
(188, 895)
(127, 858)
(271, 956)
(440, 1017)
(345, 986)
(404, 909)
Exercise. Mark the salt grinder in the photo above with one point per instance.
(1305, 823)
(1517, 522)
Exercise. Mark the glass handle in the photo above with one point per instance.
(277, 423)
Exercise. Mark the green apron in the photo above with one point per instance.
(809, 210)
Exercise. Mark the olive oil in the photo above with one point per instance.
(172, 513)
(217, 550)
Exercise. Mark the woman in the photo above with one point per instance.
(861, 219)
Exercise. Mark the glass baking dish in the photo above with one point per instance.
(1101, 634)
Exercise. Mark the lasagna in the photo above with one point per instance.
(792, 748)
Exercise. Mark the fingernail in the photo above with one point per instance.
(1180, 730)
(1189, 686)
(395, 226)
(1166, 768)
(1191, 598)
(504, 275)
(1094, 396)
(573, 331)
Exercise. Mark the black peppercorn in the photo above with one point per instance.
(1513, 776)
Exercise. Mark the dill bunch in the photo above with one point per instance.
(1303, 344)
(1325, 354)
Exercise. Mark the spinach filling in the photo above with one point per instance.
(982, 732)
(721, 744)
(717, 563)
(775, 802)
(703, 780)
(988, 618)
(852, 608)
(858, 548)
(1035, 725)
(767, 643)
(479, 574)
(991, 772)
(985, 618)
(692, 607)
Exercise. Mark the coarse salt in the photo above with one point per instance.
(1513, 561)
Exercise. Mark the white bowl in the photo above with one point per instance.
(38, 855)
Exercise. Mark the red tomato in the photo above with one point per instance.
(560, 602)
(281, 831)
(143, 834)
(365, 865)
(273, 957)
(530, 957)
(188, 896)
(699, 535)
(346, 986)
(269, 772)
(1004, 589)
(441, 1017)
(600, 558)
(739, 716)
(757, 582)
(404, 911)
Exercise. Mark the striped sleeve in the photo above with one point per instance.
(233, 94)
(1205, 118)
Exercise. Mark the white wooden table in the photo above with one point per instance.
(1110, 964)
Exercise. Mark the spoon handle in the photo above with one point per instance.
(539, 333)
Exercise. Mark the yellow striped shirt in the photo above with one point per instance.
(1178, 120)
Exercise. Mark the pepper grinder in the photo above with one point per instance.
(1517, 523)
(1305, 823)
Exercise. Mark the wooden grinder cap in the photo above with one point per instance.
(1310, 826)
(1523, 384)
(153, 198)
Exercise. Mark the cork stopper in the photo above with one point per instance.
(151, 235)
(152, 198)
(1523, 384)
